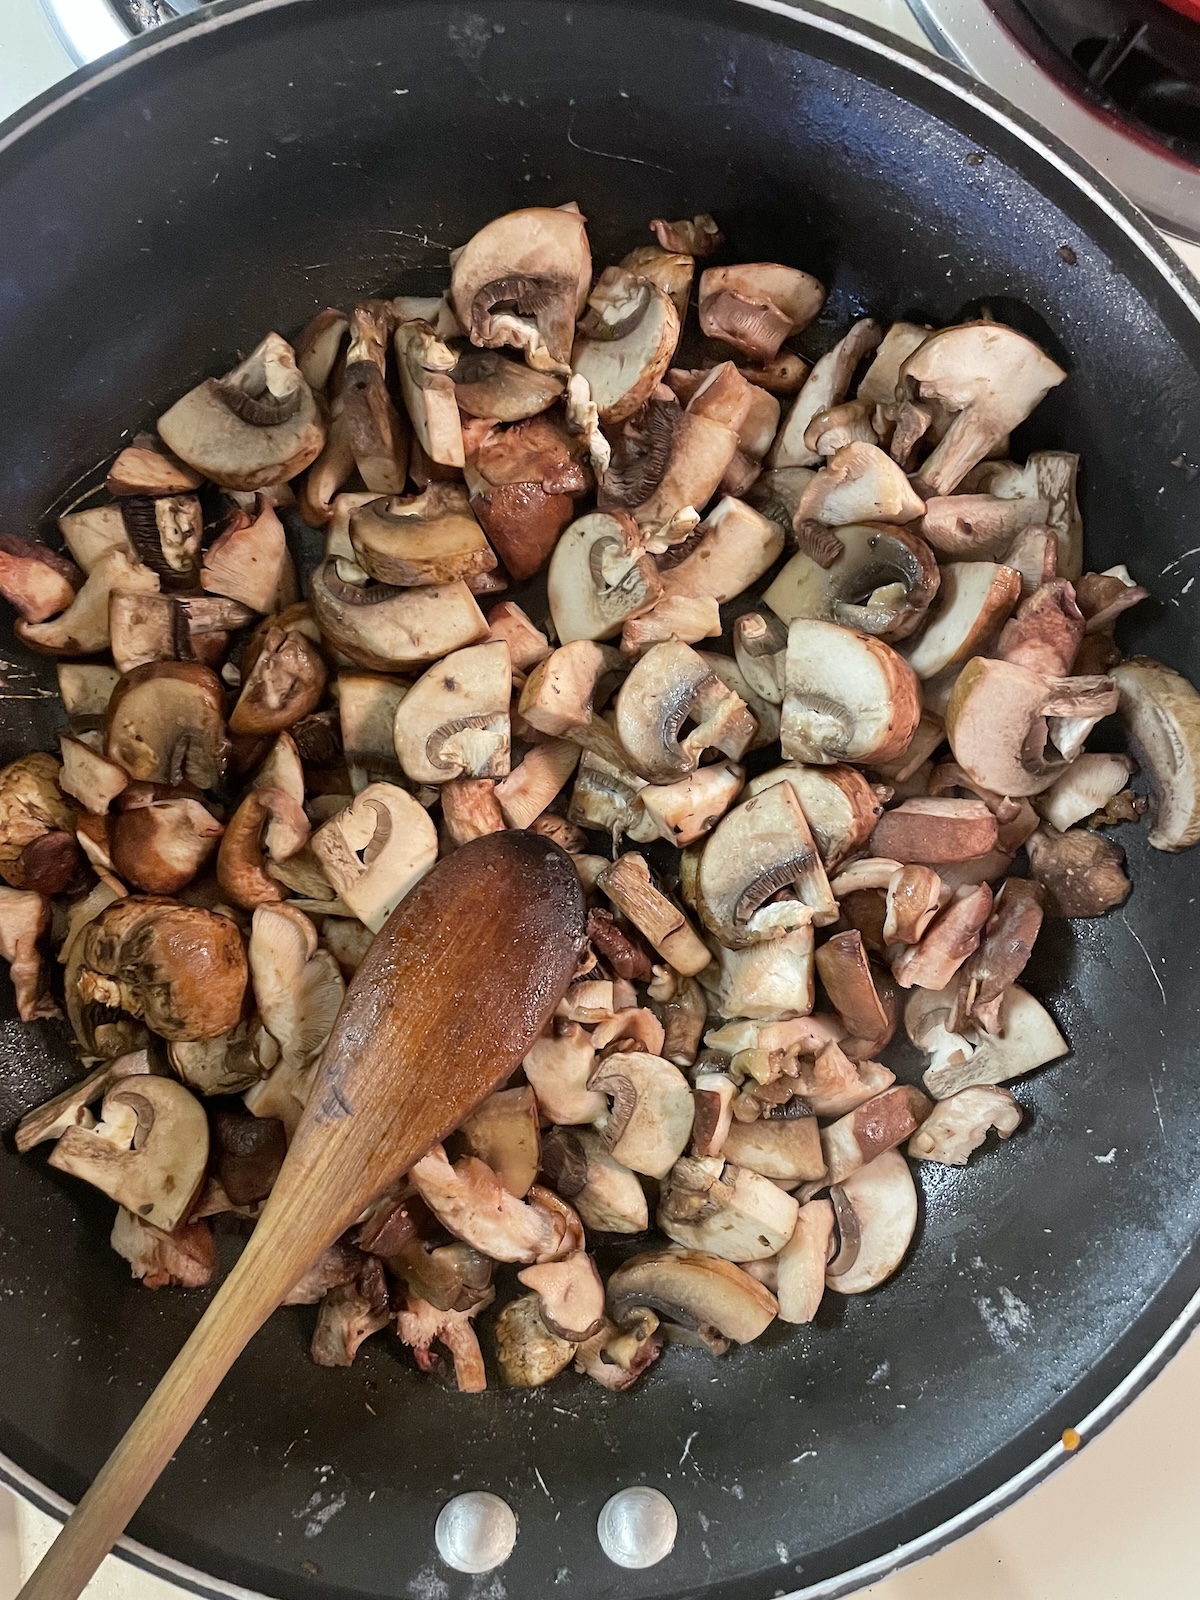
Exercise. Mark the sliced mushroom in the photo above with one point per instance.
(607, 1195)
(879, 579)
(913, 900)
(725, 1210)
(83, 628)
(425, 365)
(241, 867)
(226, 1064)
(85, 689)
(503, 1132)
(730, 550)
(522, 280)
(617, 1357)
(381, 627)
(974, 600)
(669, 462)
(996, 722)
(698, 237)
(1008, 940)
(627, 884)
(989, 377)
(299, 989)
(24, 923)
(695, 1291)
(1083, 873)
(470, 810)
(570, 1296)
(563, 693)
(469, 1200)
(975, 525)
(846, 973)
(669, 268)
(760, 848)
(848, 697)
(527, 1352)
(951, 937)
(320, 344)
(1161, 709)
(374, 429)
(527, 645)
(800, 1269)
(668, 686)
(686, 810)
(143, 469)
(932, 831)
(420, 1325)
(878, 386)
(786, 1149)
(826, 385)
(488, 384)
(257, 426)
(367, 705)
(840, 806)
(454, 723)
(841, 425)
(876, 1210)
(1026, 1038)
(683, 618)
(1045, 632)
(284, 678)
(160, 845)
(859, 484)
(625, 342)
(599, 576)
(348, 1315)
(714, 1094)
(959, 1124)
(148, 1152)
(375, 850)
(831, 1085)
(38, 850)
(768, 980)
(36, 582)
(755, 307)
(871, 1129)
(535, 781)
(166, 724)
(558, 1066)
(185, 1259)
(430, 538)
(1086, 787)
(651, 1117)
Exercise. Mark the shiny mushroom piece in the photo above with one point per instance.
(454, 721)
(36, 581)
(959, 1124)
(249, 562)
(625, 342)
(831, 1085)
(845, 970)
(765, 981)
(258, 426)
(871, 1129)
(283, 679)
(1085, 788)
(756, 306)
(376, 849)
(989, 378)
(784, 1147)
(160, 845)
(848, 696)
(38, 847)
(668, 686)
(494, 386)
(1161, 710)
(800, 1265)
(959, 1058)
(686, 810)
(599, 576)
(732, 548)
(952, 936)
(420, 1325)
(699, 1294)
(1008, 939)
(24, 924)
(374, 430)
(535, 781)
(650, 1122)
(712, 1205)
(558, 1066)
(425, 364)
(1082, 873)
(840, 806)
(876, 1212)
(522, 280)
(469, 1200)
(383, 628)
(348, 1315)
(870, 576)
(411, 540)
(628, 885)
(859, 483)
(570, 1296)
(932, 831)
(826, 385)
(165, 723)
(83, 629)
(148, 1152)
(503, 1132)
(760, 848)
(527, 1352)
(617, 1357)
(607, 1194)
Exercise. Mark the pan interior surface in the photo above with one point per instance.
(295, 155)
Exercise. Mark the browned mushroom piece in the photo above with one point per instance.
(666, 927)
(350, 1314)
(974, 526)
(1082, 872)
(727, 1211)
(1045, 632)
(185, 1259)
(422, 539)
(425, 364)
(38, 847)
(784, 1146)
(374, 429)
(257, 426)
(36, 582)
(700, 1294)
(950, 938)
(469, 1200)
(382, 627)
(159, 844)
(250, 561)
(284, 677)
(523, 482)
(650, 1121)
(528, 1353)
(166, 724)
(756, 851)
(452, 1277)
(876, 1216)
(249, 1152)
(617, 1357)
(845, 970)
(913, 900)
(1025, 1038)
(974, 599)
(83, 628)
(144, 468)
(831, 1085)
(503, 1133)
(1008, 940)
(757, 306)
(319, 345)
(421, 1325)
(24, 923)
(165, 533)
(491, 385)
(959, 1124)
(535, 781)
(732, 548)
(668, 687)
(625, 342)
(698, 237)
(871, 1129)
(932, 831)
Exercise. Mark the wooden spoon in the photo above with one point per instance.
(454, 990)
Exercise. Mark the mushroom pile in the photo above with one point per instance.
(794, 661)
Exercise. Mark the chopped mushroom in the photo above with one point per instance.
(729, 1211)
(185, 1259)
(617, 1357)
(699, 237)
(686, 810)
(36, 582)
(876, 1212)
(165, 723)
(607, 1195)
(826, 385)
(83, 628)
(625, 342)
(785, 1148)
(650, 1121)
(932, 831)
(1085, 788)
(800, 1270)
(667, 687)
(695, 1291)
(534, 783)
(425, 365)
(627, 884)
(503, 1132)
(766, 981)
(420, 1325)
(1025, 1038)
(870, 576)
(430, 538)
(848, 696)
(669, 461)
(600, 575)
(38, 850)
(250, 562)
(160, 845)
(350, 1314)
(1161, 709)
(24, 923)
(959, 1124)
(558, 1066)
(975, 525)
(756, 307)
(760, 848)
(951, 937)
(382, 627)
(872, 1128)
(974, 600)
(469, 1200)
(489, 384)
(570, 1296)
(283, 679)
(527, 1352)
(453, 722)
(840, 806)
(731, 549)
(376, 849)
(859, 484)
(1082, 872)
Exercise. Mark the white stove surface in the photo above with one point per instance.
(1116, 1522)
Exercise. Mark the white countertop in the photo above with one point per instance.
(1115, 1523)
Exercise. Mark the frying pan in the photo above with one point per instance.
(238, 172)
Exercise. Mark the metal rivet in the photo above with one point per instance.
(475, 1532)
(637, 1527)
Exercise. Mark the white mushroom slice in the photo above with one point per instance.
(499, 388)
(796, 1036)
(535, 261)
(831, 1085)
(367, 703)
(503, 1132)
(757, 305)
(527, 645)
(424, 364)
(696, 1291)
(997, 722)
(558, 1066)
(731, 549)
(148, 1152)
(599, 576)
(826, 385)
(876, 1126)
(870, 576)
(320, 344)
(765, 715)
(410, 540)
(974, 600)
(250, 563)
(714, 1094)
(860, 484)
(1027, 1038)
(625, 343)
(570, 1296)
(373, 428)
(848, 696)
(627, 884)
(878, 386)
(761, 847)
(469, 1201)
(684, 618)
(382, 628)
(766, 981)
(800, 1265)
(87, 776)
(298, 987)
(759, 648)
(975, 525)
(685, 811)
(69, 1109)
(1086, 787)
(839, 804)
(435, 309)
(533, 784)
(651, 1118)
(376, 850)
(990, 377)
(876, 1209)
(83, 628)
(830, 431)
(960, 1123)
(726, 1210)
(785, 1148)
(258, 426)
(85, 689)
(670, 685)
(607, 1195)
(1161, 709)
(91, 534)
(562, 694)
(453, 722)
(951, 937)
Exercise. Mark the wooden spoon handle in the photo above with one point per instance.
(254, 1288)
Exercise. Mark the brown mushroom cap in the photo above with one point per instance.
(930, 831)
(284, 684)
(38, 850)
(503, 1132)
(160, 845)
(166, 724)
(1082, 872)
(695, 1290)
(490, 384)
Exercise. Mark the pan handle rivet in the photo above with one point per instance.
(475, 1532)
(637, 1527)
